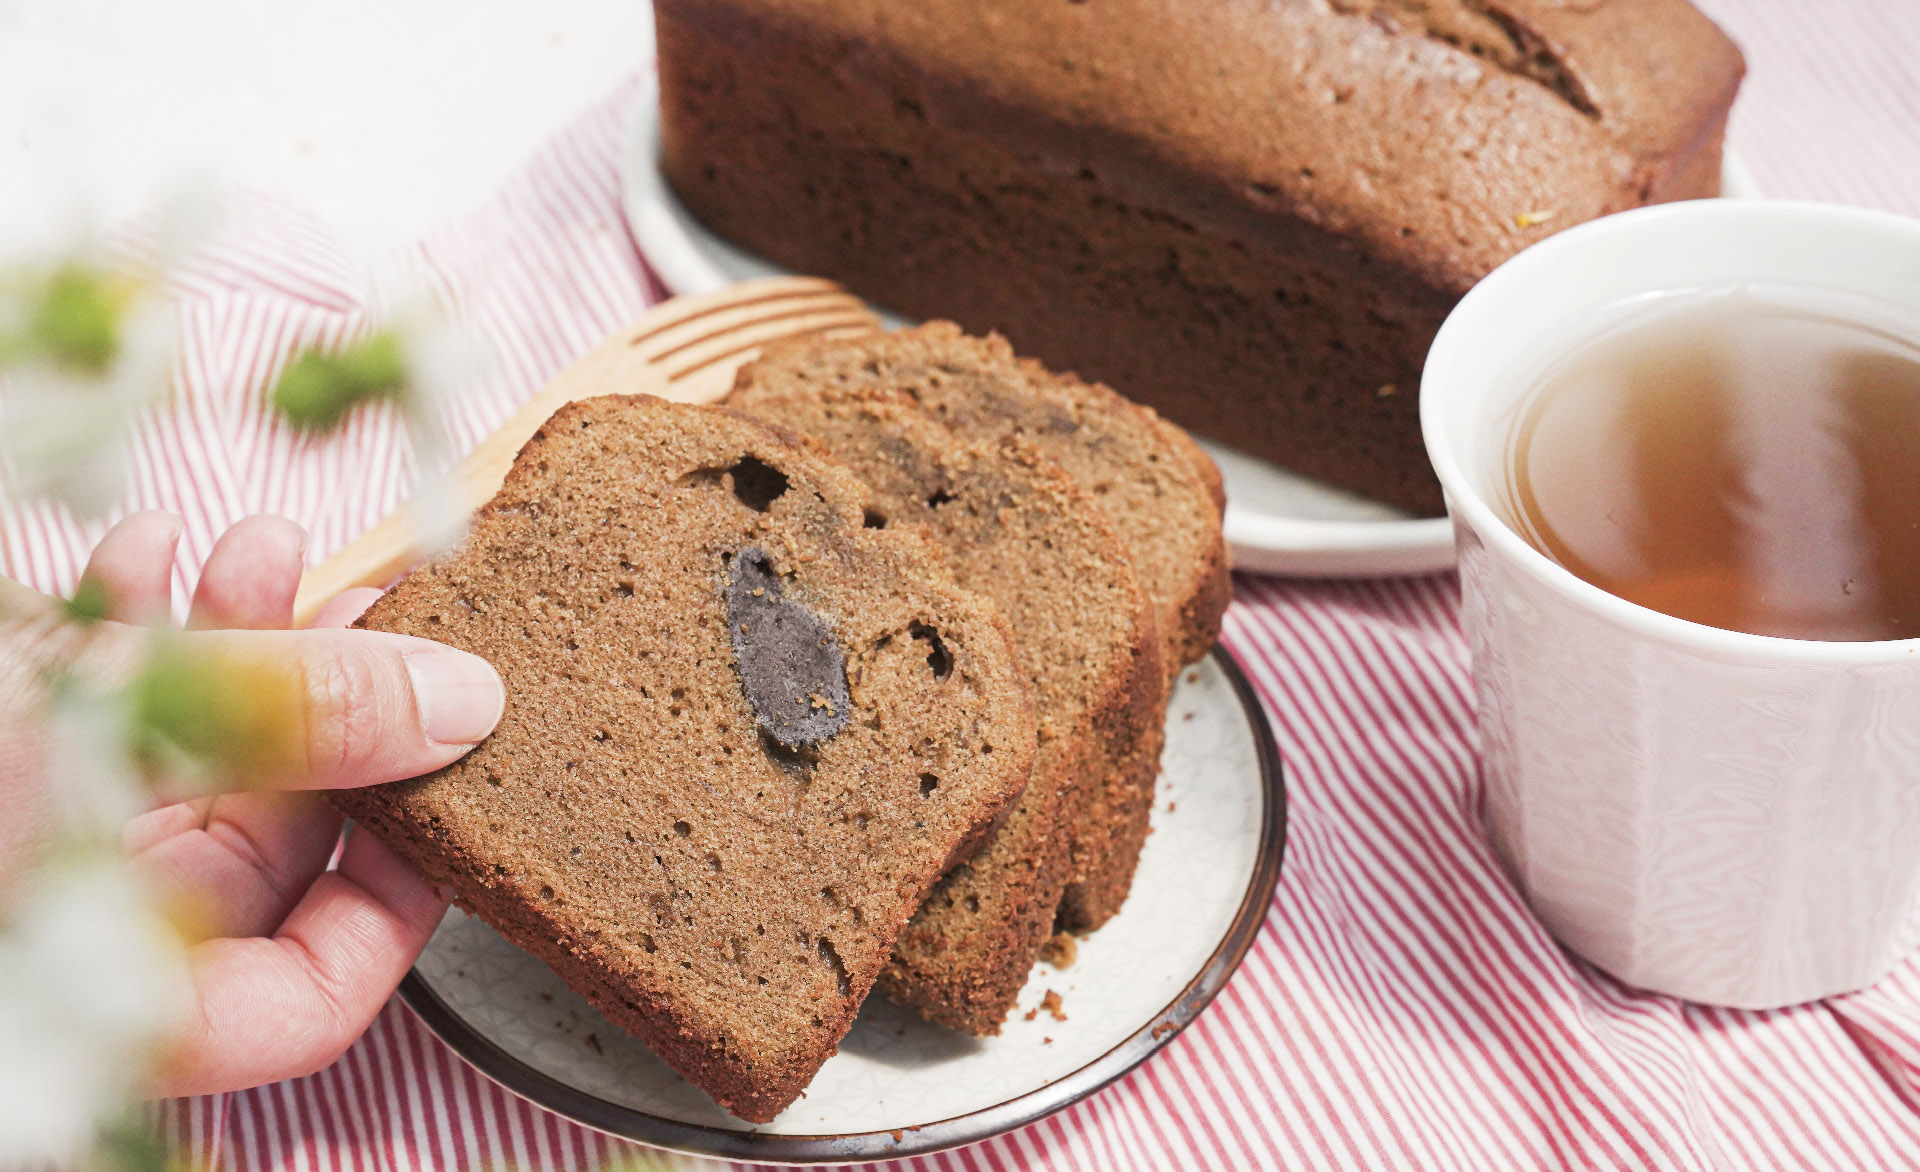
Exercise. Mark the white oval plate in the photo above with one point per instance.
(1277, 522)
(900, 1086)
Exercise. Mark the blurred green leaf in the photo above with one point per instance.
(214, 718)
(319, 389)
(128, 1145)
(70, 319)
(77, 320)
(89, 604)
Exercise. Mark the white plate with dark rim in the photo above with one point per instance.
(899, 1086)
(1278, 522)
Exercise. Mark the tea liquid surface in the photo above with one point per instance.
(1735, 461)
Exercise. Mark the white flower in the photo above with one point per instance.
(64, 425)
(63, 428)
(443, 360)
(90, 979)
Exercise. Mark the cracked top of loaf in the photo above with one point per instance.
(1439, 136)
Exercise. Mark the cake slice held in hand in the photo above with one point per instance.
(744, 734)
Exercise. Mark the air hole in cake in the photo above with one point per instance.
(860, 821)
(928, 783)
(623, 589)
(546, 892)
(757, 483)
(574, 851)
(973, 903)
(938, 657)
(828, 954)
(646, 942)
(682, 829)
(713, 861)
(873, 520)
(939, 497)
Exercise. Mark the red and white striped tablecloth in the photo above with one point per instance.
(1401, 1009)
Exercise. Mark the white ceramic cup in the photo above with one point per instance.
(1726, 817)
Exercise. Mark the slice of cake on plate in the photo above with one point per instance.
(745, 734)
(1154, 486)
(1021, 531)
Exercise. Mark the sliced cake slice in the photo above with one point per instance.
(1022, 532)
(1151, 481)
(744, 734)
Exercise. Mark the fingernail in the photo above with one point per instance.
(459, 695)
(291, 531)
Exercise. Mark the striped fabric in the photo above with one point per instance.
(1401, 1009)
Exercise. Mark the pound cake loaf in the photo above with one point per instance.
(1249, 214)
(1149, 479)
(744, 734)
(1021, 532)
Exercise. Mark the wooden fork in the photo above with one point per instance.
(687, 349)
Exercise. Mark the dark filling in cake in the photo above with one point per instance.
(791, 666)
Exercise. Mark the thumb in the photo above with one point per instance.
(365, 707)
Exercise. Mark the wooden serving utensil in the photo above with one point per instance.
(686, 349)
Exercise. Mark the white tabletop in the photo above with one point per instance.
(106, 108)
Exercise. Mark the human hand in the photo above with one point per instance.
(290, 961)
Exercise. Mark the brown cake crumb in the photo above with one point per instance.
(1060, 950)
(1051, 1003)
